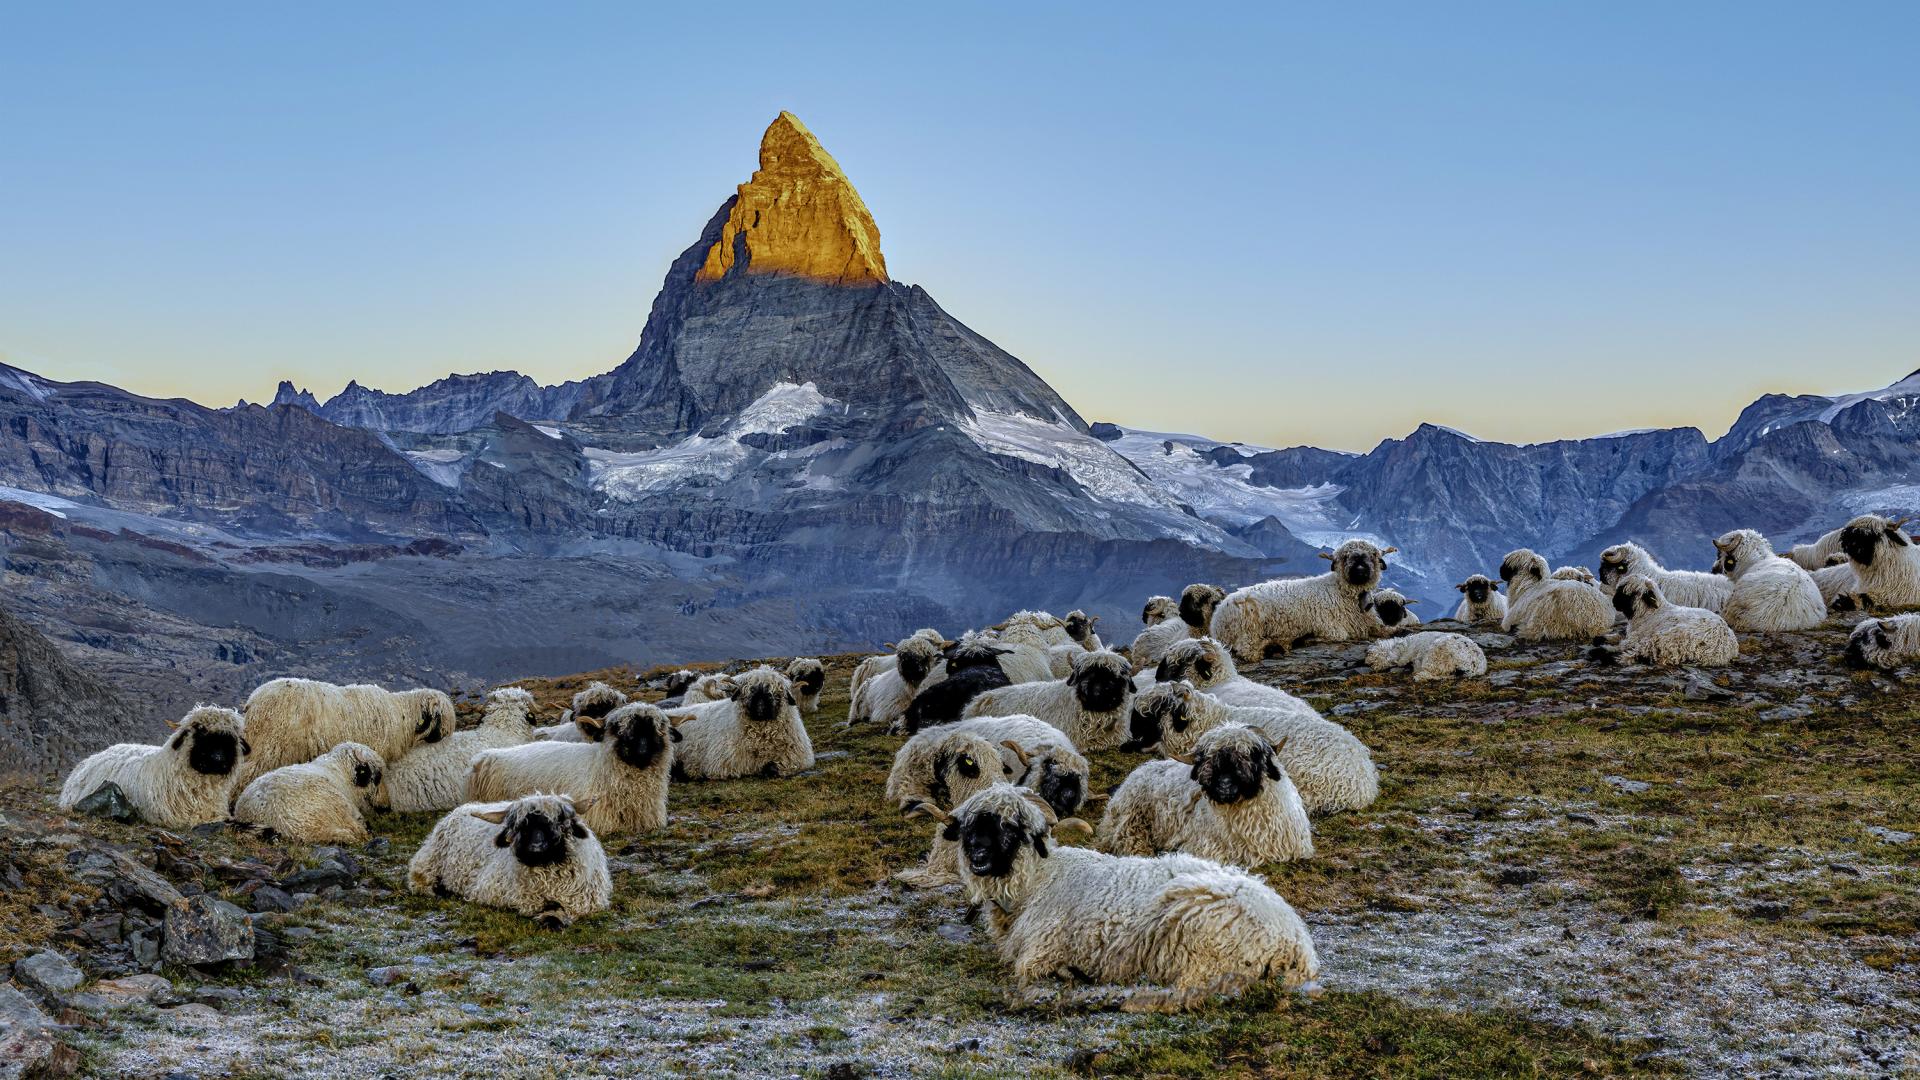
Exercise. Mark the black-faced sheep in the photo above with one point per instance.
(1543, 608)
(973, 666)
(619, 778)
(874, 665)
(1392, 609)
(1884, 644)
(1232, 802)
(435, 777)
(1687, 588)
(1432, 656)
(1885, 561)
(883, 698)
(187, 780)
(534, 856)
(1279, 614)
(1159, 609)
(1813, 556)
(1331, 769)
(1194, 616)
(1079, 626)
(592, 703)
(1206, 664)
(1480, 603)
(295, 720)
(756, 732)
(1037, 755)
(1769, 592)
(958, 764)
(809, 677)
(1090, 705)
(323, 801)
(1665, 633)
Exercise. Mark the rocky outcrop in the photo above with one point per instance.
(51, 712)
(799, 216)
(446, 406)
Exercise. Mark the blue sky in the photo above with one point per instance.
(1274, 223)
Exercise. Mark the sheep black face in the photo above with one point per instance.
(1869, 647)
(990, 843)
(640, 736)
(1197, 603)
(1080, 625)
(538, 832)
(1614, 565)
(1101, 681)
(1477, 588)
(914, 660)
(808, 678)
(365, 776)
(1390, 610)
(678, 682)
(1233, 768)
(762, 694)
(1862, 537)
(1198, 661)
(1062, 789)
(598, 708)
(213, 753)
(1524, 565)
(967, 655)
(431, 727)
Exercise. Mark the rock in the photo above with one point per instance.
(388, 976)
(954, 932)
(1625, 786)
(107, 801)
(50, 973)
(847, 1070)
(316, 879)
(1701, 688)
(217, 997)
(799, 216)
(1769, 910)
(191, 1016)
(1890, 836)
(339, 857)
(145, 946)
(298, 933)
(269, 898)
(1786, 712)
(202, 930)
(27, 1043)
(133, 989)
(105, 930)
(1516, 875)
(137, 885)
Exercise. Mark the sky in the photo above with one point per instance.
(1275, 223)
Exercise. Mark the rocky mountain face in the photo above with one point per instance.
(51, 712)
(446, 406)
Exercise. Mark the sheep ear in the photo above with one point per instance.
(1412, 602)
(1327, 555)
(179, 738)
(1880, 637)
(1040, 845)
(791, 700)
(1193, 773)
(1894, 534)
(1649, 601)
(673, 734)
(245, 746)
(1274, 771)
(491, 817)
(1462, 586)
(1388, 550)
(952, 829)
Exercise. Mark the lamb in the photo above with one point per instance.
(1432, 656)
(1769, 592)
(1665, 633)
(713, 686)
(1282, 613)
(1687, 588)
(618, 780)
(1885, 561)
(1079, 627)
(1815, 555)
(1540, 608)
(323, 801)
(534, 856)
(1884, 644)
(1038, 756)
(1390, 607)
(1206, 664)
(874, 665)
(435, 777)
(593, 703)
(1178, 922)
(1232, 802)
(185, 781)
(756, 732)
(809, 677)
(884, 696)
(1159, 609)
(1197, 604)
(1482, 604)
(294, 720)
(1331, 769)
(1090, 706)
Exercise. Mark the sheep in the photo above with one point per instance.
(534, 856)
(972, 668)
(1197, 604)
(1540, 608)
(323, 801)
(961, 764)
(1050, 629)
(874, 665)
(185, 781)
(1207, 665)
(619, 777)
(755, 732)
(1177, 922)
(1331, 769)
(1024, 643)
(1687, 588)
(1158, 609)
(1769, 592)
(884, 696)
(435, 777)
(294, 720)
(1839, 586)
(808, 676)
(1079, 627)
(1090, 705)
(714, 686)
(1885, 561)
(675, 683)
(1573, 573)
(1432, 656)
(1282, 613)
(1039, 756)
(593, 703)
(1481, 604)
(1665, 633)
(1815, 555)
(1883, 644)
(1390, 607)
(1231, 802)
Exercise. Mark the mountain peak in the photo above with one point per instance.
(798, 216)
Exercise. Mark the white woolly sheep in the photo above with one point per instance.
(1884, 560)
(962, 763)
(323, 801)
(1079, 627)
(1839, 586)
(1542, 608)
(294, 720)
(1194, 615)
(1574, 573)
(1091, 705)
(1433, 656)
(435, 777)
(593, 703)
(1331, 769)
(1185, 924)
(1040, 756)
(1668, 634)
(884, 696)
(619, 777)
(756, 732)
(1285, 612)
(1049, 629)
(1687, 588)
(874, 665)
(1024, 648)
(1231, 802)
(1206, 664)
(1813, 556)
(1159, 609)
(713, 686)
(1885, 643)
(1769, 592)
(1481, 604)
(185, 781)
(1391, 609)
(534, 856)
(809, 677)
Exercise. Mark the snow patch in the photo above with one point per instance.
(1908, 385)
(52, 504)
(443, 467)
(1095, 466)
(698, 457)
(550, 432)
(26, 384)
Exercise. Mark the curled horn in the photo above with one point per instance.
(1184, 759)
(1728, 546)
(1025, 760)
(1327, 555)
(1102, 797)
(1074, 823)
(1041, 804)
(929, 810)
(1898, 522)
(1388, 550)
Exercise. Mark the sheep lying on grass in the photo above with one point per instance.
(1659, 632)
(323, 801)
(1279, 614)
(975, 665)
(874, 665)
(1159, 609)
(1194, 614)
(185, 781)
(1331, 768)
(1769, 592)
(1432, 656)
(943, 771)
(1079, 627)
(1543, 608)
(435, 777)
(713, 686)
(1884, 644)
(619, 779)
(1839, 586)
(294, 720)
(1232, 802)
(1205, 663)
(883, 698)
(809, 677)
(1885, 561)
(756, 732)
(1090, 705)
(1481, 603)
(534, 856)
(1036, 754)
(593, 703)
(1186, 927)
(1686, 588)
